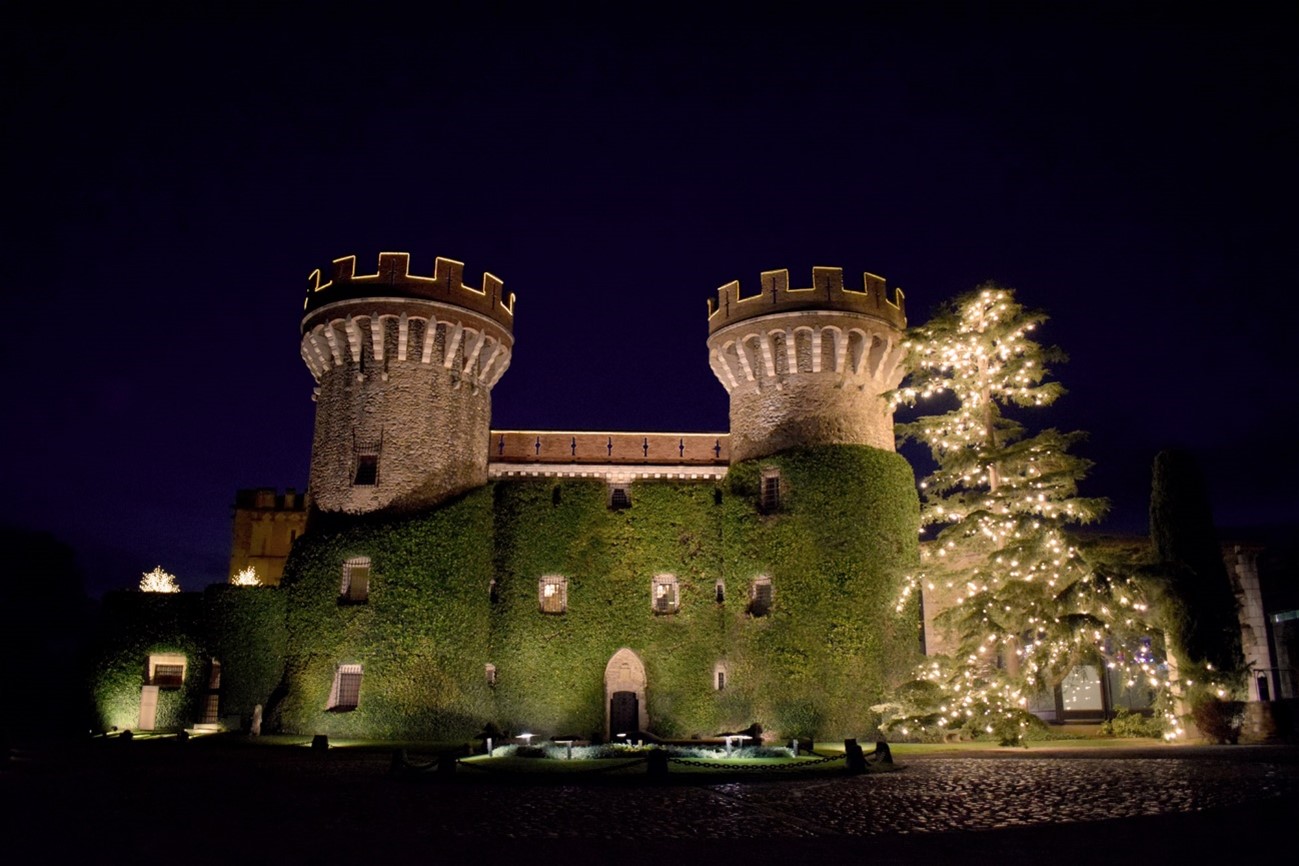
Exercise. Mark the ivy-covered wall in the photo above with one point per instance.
(826, 652)
(132, 626)
(422, 637)
(246, 632)
(456, 588)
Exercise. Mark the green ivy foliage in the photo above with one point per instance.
(132, 626)
(421, 637)
(829, 648)
(248, 635)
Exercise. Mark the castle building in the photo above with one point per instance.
(441, 577)
(453, 576)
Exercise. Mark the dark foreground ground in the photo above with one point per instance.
(200, 803)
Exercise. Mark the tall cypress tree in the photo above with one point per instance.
(1187, 548)
(1030, 605)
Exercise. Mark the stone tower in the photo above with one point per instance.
(807, 366)
(405, 367)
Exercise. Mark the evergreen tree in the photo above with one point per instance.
(1030, 605)
(1187, 550)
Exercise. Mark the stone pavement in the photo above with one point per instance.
(251, 805)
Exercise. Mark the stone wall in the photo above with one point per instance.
(807, 378)
(408, 387)
(562, 446)
(265, 526)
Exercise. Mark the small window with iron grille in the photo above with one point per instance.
(719, 676)
(552, 594)
(346, 692)
(760, 597)
(619, 496)
(367, 470)
(167, 670)
(664, 594)
(211, 713)
(490, 670)
(769, 502)
(355, 587)
(212, 700)
(367, 461)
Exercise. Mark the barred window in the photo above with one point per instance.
(167, 670)
(665, 594)
(367, 470)
(719, 676)
(552, 594)
(211, 710)
(346, 692)
(769, 502)
(760, 597)
(620, 496)
(355, 586)
(490, 670)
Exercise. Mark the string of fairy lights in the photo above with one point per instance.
(1029, 605)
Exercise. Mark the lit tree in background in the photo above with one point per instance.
(1029, 605)
(158, 581)
(246, 577)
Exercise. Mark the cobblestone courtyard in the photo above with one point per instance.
(252, 805)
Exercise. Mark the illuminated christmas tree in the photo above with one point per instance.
(1030, 606)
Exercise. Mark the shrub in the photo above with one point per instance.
(1126, 724)
(1219, 721)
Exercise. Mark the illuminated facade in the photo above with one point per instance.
(445, 576)
(453, 576)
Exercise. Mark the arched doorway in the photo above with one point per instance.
(624, 694)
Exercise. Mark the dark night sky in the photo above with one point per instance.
(172, 181)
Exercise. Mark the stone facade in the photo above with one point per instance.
(406, 364)
(701, 580)
(265, 526)
(405, 367)
(807, 366)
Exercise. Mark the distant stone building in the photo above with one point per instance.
(266, 524)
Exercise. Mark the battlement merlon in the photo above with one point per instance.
(393, 279)
(827, 292)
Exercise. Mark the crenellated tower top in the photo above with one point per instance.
(807, 366)
(394, 279)
(405, 366)
(827, 292)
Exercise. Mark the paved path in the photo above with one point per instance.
(254, 805)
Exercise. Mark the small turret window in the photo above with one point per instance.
(619, 496)
(367, 470)
(366, 453)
